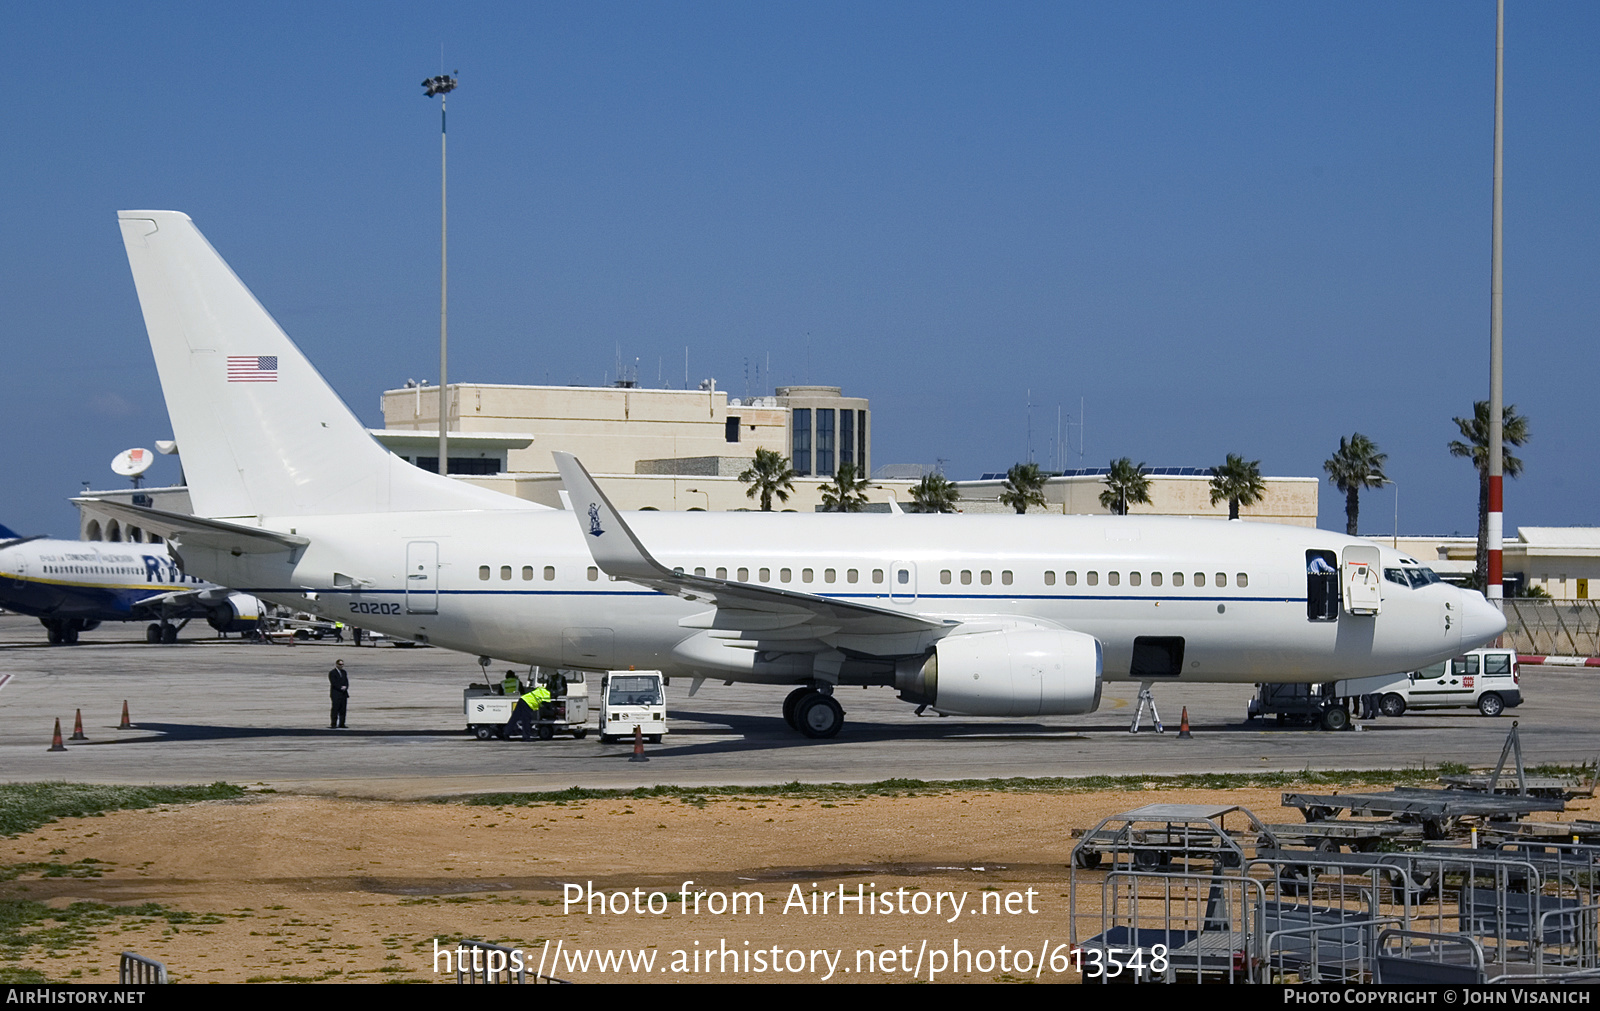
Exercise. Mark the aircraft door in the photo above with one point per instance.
(1363, 592)
(903, 582)
(422, 577)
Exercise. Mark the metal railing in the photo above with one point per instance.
(1553, 627)
(137, 970)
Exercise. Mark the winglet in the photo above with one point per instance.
(616, 550)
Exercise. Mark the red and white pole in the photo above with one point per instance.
(1494, 587)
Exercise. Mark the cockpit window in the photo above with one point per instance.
(1422, 576)
(1397, 576)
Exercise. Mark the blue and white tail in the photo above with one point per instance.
(260, 432)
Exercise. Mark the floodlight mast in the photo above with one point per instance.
(442, 86)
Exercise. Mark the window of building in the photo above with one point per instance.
(800, 458)
(847, 438)
(549, 572)
(483, 572)
(731, 429)
(825, 466)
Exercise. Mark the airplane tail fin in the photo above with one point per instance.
(260, 431)
(8, 534)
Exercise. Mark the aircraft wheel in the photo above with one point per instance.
(791, 702)
(1392, 704)
(52, 631)
(169, 634)
(819, 716)
(1335, 719)
(152, 633)
(1491, 704)
(69, 634)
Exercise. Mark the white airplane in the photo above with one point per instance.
(73, 586)
(975, 615)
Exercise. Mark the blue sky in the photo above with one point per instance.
(1227, 228)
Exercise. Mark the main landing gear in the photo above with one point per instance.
(813, 712)
(163, 633)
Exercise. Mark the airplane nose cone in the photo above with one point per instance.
(1481, 621)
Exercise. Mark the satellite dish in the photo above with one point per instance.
(133, 463)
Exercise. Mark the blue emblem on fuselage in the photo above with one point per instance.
(594, 520)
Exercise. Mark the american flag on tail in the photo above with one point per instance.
(252, 368)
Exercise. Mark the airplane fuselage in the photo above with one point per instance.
(523, 587)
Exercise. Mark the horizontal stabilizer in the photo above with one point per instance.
(218, 535)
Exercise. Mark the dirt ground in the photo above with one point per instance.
(291, 888)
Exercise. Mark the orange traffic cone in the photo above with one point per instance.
(55, 741)
(77, 727)
(1183, 727)
(638, 746)
(126, 724)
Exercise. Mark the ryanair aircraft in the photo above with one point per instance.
(981, 615)
(73, 586)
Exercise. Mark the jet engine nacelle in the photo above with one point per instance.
(1015, 672)
(240, 612)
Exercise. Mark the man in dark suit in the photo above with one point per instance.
(339, 689)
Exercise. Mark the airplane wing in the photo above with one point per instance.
(618, 552)
(194, 530)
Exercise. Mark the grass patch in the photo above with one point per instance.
(699, 795)
(27, 806)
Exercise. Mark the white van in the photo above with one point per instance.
(1486, 679)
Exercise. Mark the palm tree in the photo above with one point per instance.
(935, 494)
(1239, 481)
(1513, 432)
(847, 493)
(768, 475)
(1024, 487)
(1126, 485)
(1357, 464)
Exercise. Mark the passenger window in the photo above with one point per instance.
(744, 575)
(527, 572)
(1155, 579)
(483, 572)
(722, 573)
(1070, 578)
(549, 572)
(505, 572)
(1199, 579)
(1049, 577)
(902, 576)
(944, 576)
(594, 574)
(1113, 578)
(966, 577)
(1177, 579)
(784, 575)
(829, 575)
(985, 578)
(1134, 579)
(1005, 577)
(1222, 579)
(805, 575)
(766, 575)
(1241, 580)
(851, 575)
(1094, 579)
(700, 570)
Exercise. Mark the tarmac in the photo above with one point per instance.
(212, 708)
